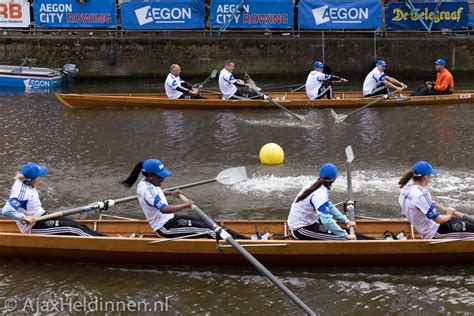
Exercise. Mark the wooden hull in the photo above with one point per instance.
(276, 252)
(289, 100)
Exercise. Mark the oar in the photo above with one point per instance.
(339, 118)
(350, 205)
(229, 176)
(464, 217)
(251, 259)
(254, 87)
(211, 76)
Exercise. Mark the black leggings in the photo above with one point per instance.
(242, 94)
(326, 90)
(189, 96)
(381, 89)
(63, 226)
(455, 228)
(182, 225)
(424, 90)
(318, 231)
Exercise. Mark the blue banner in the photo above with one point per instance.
(339, 14)
(163, 15)
(72, 13)
(450, 15)
(276, 14)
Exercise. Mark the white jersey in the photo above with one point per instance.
(420, 210)
(171, 84)
(374, 79)
(305, 212)
(152, 200)
(24, 201)
(314, 81)
(226, 83)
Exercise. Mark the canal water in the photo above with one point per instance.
(90, 151)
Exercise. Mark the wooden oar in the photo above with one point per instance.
(464, 217)
(251, 259)
(229, 176)
(255, 88)
(339, 118)
(350, 205)
(211, 76)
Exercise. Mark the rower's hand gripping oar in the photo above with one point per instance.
(228, 177)
(339, 118)
(257, 89)
(350, 204)
(251, 259)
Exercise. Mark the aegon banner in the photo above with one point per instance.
(339, 14)
(450, 15)
(163, 15)
(72, 13)
(14, 13)
(276, 14)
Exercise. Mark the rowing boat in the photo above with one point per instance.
(134, 242)
(215, 101)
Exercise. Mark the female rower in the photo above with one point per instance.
(158, 212)
(312, 214)
(429, 218)
(24, 206)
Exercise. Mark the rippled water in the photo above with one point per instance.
(89, 151)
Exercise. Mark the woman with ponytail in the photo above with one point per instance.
(429, 218)
(314, 216)
(160, 215)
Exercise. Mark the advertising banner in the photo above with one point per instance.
(339, 14)
(250, 14)
(163, 15)
(450, 15)
(75, 14)
(14, 13)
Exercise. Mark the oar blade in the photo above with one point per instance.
(232, 175)
(213, 73)
(338, 118)
(349, 154)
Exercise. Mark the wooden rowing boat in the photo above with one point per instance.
(289, 100)
(281, 250)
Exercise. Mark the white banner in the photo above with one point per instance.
(14, 13)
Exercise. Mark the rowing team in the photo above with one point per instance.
(318, 84)
(312, 215)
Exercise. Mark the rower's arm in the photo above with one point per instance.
(331, 225)
(187, 85)
(10, 210)
(442, 218)
(395, 83)
(174, 208)
(443, 85)
(341, 218)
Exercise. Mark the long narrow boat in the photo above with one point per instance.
(134, 242)
(289, 100)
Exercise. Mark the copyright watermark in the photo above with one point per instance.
(81, 304)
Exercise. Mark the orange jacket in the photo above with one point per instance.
(444, 81)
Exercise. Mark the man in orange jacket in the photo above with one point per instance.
(444, 83)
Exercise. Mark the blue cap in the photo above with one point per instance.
(328, 170)
(32, 171)
(381, 62)
(422, 168)
(318, 64)
(440, 61)
(155, 166)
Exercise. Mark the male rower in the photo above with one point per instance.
(232, 88)
(377, 82)
(319, 84)
(444, 83)
(178, 89)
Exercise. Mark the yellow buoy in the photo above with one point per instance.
(272, 154)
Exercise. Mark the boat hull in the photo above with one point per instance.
(29, 78)
(289, 100)
(275, 252)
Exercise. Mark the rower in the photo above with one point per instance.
(24, 206)
(232, 88)
(444, 83)
(161, 215)
(319, 84)
(313, 215)
(179, 89)
(377, 82)
(429, 218)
